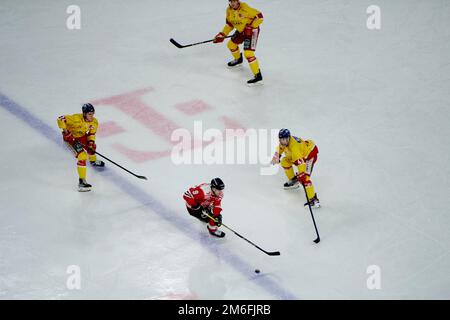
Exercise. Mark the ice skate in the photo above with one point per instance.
(256, 80)
(314, 202)
(235, 62)
(83, 186)
(216, 232)
(291, 184)
(97, 163)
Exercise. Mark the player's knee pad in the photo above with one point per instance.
(82, 156)
(306, 181)
(232, 46)
(81, 163)
(249, 55)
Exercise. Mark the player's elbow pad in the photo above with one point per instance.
(257, 23)
(259, 19)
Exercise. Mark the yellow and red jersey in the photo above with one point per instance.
(241, 17)
(78, 126)
(297, 149)
(202, 195)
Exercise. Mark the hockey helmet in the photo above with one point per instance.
(87, 107)
(217, 183)
(284, 133)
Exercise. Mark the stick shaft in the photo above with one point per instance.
(138, 176)
(274, 253)
(178, 45)
(312, 215)
(106, 158)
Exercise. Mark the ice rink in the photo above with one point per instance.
(376, 102)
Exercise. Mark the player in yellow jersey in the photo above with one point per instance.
(246, 20)
(78, 132)
(302, 154)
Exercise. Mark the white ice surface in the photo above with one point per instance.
(377, 103)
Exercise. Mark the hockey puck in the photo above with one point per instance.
(257, 271)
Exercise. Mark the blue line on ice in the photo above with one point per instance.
(152, 203)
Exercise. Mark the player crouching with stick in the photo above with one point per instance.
(205, 199)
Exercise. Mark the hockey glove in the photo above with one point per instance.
(275, 159)
(91, 145)
(219, 220)
(67, 136)
(219, 37)
(207, 211)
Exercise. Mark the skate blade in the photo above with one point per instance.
(292, 188)
(218, 235)
(97, 166)
(316, 206)
(234, 67)
(84, 189)
(259, 83)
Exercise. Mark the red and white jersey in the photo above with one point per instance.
(202, 195)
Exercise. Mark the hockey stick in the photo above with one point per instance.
(317, 240)
(180, 46)
(273, 253)
(137, 176)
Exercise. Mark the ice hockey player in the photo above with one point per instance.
(302, 154)
(78, 132)
(206, 198)
(246, 21)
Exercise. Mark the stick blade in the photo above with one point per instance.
(142, 177)
(317, 240)
(275, 253)
(176, 44)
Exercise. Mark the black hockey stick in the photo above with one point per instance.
(317, 240)
(137, 176)
(180, 46)
(273, 253)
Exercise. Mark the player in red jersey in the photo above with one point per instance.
(206, 198)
